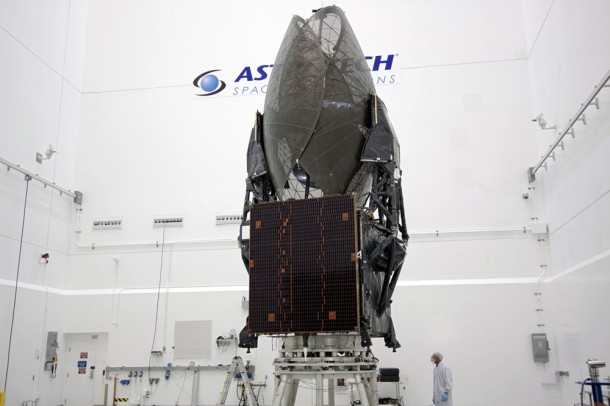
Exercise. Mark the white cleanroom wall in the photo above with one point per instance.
(109, 85)
(41, 48)
(567, 60)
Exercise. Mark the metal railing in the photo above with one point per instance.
(590, 101)
(76, 196)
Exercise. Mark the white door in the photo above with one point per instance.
(83, 365)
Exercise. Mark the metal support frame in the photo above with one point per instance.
(579, 116)
(195, 368)
(77, 197)
(195, 391)
(172, 368)
(330, 357)
(596, 387)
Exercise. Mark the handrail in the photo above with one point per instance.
(531, 172)
(76, 195)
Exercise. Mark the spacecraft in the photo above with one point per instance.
(323, 235)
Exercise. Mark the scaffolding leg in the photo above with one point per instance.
(195, 391)
(279, 391)
(364, 400)
(225, 388)
(319, 390)
(372, 390)
(292, 385)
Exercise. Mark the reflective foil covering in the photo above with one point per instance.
(317, 102)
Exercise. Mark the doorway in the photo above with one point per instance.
(84, 361)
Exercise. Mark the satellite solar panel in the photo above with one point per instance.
(303, 266)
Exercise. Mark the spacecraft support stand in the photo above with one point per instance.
(330, 358)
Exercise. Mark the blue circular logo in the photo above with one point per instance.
(210, 84)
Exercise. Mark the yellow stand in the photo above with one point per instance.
(2, 396)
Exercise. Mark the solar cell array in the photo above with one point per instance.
(303, 266)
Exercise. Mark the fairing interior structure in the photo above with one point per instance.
(325, 132)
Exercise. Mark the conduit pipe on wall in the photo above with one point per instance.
(77, 197)
(472, 232)
(531, 172)
(207, 244)
(230, 243)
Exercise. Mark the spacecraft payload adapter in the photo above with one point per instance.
(323, 204)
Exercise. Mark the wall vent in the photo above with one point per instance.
(222, 219)
(115, 224)
(168, 222)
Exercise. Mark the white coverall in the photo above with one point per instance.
(443, 382)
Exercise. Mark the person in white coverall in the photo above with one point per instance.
(443, 381)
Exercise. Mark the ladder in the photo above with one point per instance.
(237, 367)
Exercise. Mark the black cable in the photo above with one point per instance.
(152, 348)
(241, 397)
(10, 337)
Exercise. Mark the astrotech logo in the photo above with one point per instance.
(209, 83)
(251, 80)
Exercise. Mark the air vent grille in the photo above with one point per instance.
(115, 224)
(222, 219)
(168, 222)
